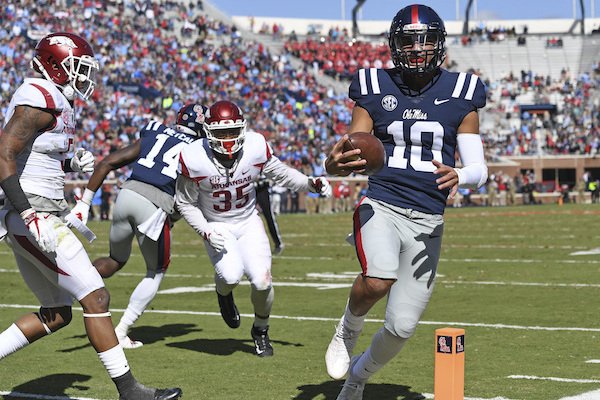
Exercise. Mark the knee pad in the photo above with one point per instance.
(49, 314)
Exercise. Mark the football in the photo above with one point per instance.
(371, 149)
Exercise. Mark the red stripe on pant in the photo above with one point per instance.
(362, 258)
(37, 253)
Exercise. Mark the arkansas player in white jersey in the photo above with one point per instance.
(216, 195)
(37, 136)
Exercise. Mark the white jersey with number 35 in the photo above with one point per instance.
(228, 195)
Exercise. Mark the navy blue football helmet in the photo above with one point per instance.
(190, 119)
(414, 28)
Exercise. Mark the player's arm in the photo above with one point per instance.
(470, 150)
(293, 179)
(186, 198)
(113, 161)
(24, 126)
(342, 163)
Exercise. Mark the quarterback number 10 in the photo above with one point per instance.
(415, 143)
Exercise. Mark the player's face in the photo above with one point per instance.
(419, 48)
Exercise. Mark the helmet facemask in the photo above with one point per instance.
(418, 49)
(82, 74)
(226, 139)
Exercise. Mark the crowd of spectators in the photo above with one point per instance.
(566, 120)
(147, 72)
(157, 56)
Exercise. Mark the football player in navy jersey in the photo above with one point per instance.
(145, 206)
(422, 114)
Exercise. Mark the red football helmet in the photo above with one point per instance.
(68, 61)
(225, 127)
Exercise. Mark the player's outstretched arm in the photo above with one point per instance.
(113, 161)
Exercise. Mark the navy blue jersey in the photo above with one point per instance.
(414, 131)
(159, 156)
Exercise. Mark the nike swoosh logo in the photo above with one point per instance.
(438, 102)
(245, 172)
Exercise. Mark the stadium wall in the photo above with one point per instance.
(379, 27)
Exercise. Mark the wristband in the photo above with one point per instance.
(14, 193)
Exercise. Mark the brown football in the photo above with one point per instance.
(371, 149)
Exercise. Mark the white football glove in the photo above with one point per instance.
(82, 161)
(320, 185)
(42, 231)
(81, 210)
(215, 239)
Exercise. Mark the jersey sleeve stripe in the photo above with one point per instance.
(472, 85)
(460, 83)
(50, 105)
(362, 79)
(184, 169)
(374, 81)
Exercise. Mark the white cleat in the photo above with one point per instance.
(353, 388)
(337, 357)
(128, 343)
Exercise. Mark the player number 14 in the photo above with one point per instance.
(415, 144)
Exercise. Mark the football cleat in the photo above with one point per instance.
(339, 351)
(153, 394)
(353, 388)
(229, 311)
(262, 343)
(128, 343)
(167, 394)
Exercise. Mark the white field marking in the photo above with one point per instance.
(593, 395)
(518, 261)
(586, 252)
(550, 237)
(553, 379)
(336, 319)
(593, 361)
(511, 246)
(430, 396)
(211, 287)
(345, 276)
(22, 395)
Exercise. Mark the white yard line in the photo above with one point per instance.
(593, 395)
(336, 319)
(22, 395)
(553, 379)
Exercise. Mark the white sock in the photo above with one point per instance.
(114, 361)
(138, 302)
(384, 347)
(352, 322)
(11, 340)
(262, 300)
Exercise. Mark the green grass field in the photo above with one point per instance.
(506, 275)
